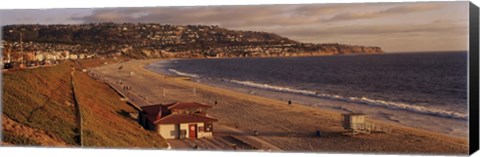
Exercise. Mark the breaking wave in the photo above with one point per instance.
(360, 100)
(182, 73)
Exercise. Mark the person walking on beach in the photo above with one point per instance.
(289, 102)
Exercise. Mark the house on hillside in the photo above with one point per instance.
(178, 120)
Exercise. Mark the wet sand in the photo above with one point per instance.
(289, 127)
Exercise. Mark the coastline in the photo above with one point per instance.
(436, 120)
(289, 126)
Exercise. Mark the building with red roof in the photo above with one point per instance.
(178, 120)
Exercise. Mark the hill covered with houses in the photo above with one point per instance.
(162, 41)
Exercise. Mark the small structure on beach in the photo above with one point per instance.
(355, 123)
(178, 120)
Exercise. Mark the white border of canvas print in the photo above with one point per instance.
(32, 4)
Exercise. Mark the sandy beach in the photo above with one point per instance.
(288, 127)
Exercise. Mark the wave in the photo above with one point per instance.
(182, 73)
(278, 88)
(359, 100)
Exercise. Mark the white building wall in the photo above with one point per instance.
(204, 134)
(172, 131)
(184, 126)
(200, 133)
(39, 57)
(168, 131)
(73, 56)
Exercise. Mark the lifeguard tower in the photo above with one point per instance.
(356, 123)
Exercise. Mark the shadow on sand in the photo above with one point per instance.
(312, 134)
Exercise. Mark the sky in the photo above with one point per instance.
(395, 27)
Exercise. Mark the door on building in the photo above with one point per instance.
(192, 130)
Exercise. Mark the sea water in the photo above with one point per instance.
(432, 86)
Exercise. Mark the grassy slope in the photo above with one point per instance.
(41, 98)
(107, 120)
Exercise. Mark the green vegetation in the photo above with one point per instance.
(17, 139)
(107, 120)
(42, 98)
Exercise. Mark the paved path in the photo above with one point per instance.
(134, 99)
(131, 97)
(225, 138)
(221, 132)
(248, 138)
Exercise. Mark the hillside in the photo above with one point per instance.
(156, 40)
(38, 110)
(38, 99)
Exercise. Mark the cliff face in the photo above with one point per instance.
(155, 40)
(359, 49)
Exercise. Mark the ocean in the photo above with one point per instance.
(433, 84)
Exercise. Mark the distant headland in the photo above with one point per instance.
(148, 40)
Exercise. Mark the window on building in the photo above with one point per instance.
(183, 134)
(208, 127)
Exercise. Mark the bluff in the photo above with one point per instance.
(38, 110)
(148, 40)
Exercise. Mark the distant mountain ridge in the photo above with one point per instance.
(156, 40)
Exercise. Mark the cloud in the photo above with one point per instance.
(361, 23)
(398, 10)
(228, 16)
(434, 35)
(41, 16)
(445, 27)
(256, 15)
(413, 8)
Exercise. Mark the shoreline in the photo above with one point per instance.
(273, 115)
(386, 114)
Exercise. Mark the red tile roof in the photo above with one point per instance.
(152, 111)
(184, 118)
(184, 105)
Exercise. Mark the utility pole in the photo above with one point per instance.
(9, 49)
(21, 44)
(21, 41)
